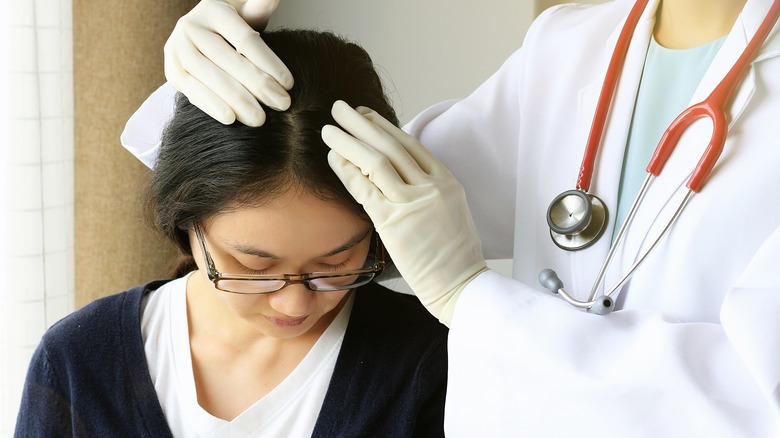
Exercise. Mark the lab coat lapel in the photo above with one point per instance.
(669, 188)
(609, 162)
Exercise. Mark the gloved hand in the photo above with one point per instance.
(226, 82)
(417, 206)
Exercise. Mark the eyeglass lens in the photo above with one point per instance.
(315, 284)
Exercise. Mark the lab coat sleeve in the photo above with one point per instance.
(477, 139)
(143, 131)
(631, 373)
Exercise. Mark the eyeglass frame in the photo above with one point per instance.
(215, 276)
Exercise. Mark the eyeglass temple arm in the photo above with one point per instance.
(211, 267)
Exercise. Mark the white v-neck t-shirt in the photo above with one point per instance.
(289, 410)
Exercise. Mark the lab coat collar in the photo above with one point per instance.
(744, 28)
(748, 23)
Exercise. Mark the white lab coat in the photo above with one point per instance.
(695, 351)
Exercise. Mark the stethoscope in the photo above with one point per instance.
(577, 218)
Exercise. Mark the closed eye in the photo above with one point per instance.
(249, 271)
(338, 267)
(326, 267)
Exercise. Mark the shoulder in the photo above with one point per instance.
(89, 373)
(579, 12)
(391, 370)
(388, 328)
(571, 25)
(585, 14)
(104, 320)
(569, 46)
(393, 312)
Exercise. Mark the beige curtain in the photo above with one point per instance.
(118, 54)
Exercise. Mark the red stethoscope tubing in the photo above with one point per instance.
(614, 69)
(714, 106)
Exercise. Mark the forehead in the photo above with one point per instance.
(289, 223)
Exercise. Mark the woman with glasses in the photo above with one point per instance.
(278, 329)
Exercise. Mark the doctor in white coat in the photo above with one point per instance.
(693, 348)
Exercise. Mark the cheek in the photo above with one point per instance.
(330, 300)
(248, 305)
(243, 304)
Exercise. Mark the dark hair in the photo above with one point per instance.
(205, 168)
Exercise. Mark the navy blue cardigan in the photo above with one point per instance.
(89, 375)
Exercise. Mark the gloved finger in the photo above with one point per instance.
(426, 161)
(246, 41)
(262, 86)
(377, 138)
(365, 192)
(372, 163)
(243, 104)
(256, 12)
(202, 97)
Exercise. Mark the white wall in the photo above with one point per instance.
(428, 50)
(544, 4)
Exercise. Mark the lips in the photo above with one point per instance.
(287, 322)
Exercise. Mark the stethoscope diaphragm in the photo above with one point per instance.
(576, 219)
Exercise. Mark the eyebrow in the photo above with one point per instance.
(254, 251)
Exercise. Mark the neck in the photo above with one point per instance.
(682, 24)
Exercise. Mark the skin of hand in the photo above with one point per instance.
(222, 64)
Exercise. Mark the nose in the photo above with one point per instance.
(294, 301)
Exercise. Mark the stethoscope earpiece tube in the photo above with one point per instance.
(550, 281)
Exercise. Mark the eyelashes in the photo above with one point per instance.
(340, 266)
(325, 268)
(248, 271)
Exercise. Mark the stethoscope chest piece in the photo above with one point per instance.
(576, 219)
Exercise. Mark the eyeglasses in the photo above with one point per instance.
(314, 281)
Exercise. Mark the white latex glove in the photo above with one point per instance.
(227, 82)
(256, 12)
(417, 206)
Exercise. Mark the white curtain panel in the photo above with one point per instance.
(37, 186)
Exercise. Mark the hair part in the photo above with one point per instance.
(205, 168)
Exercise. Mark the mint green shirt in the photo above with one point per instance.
(669, 79)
